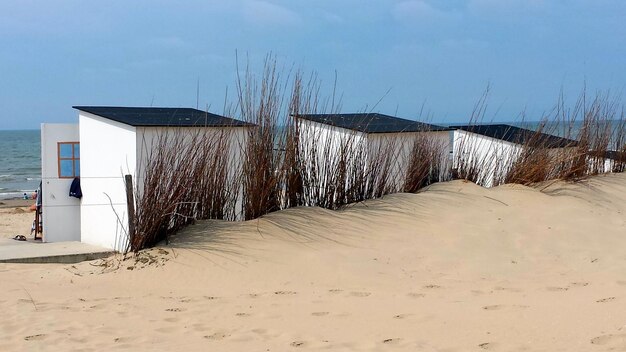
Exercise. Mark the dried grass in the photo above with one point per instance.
(596, 130)
(285, 161)
(186, 177)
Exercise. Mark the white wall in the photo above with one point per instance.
(320, 146)
(601, 165)
(491, 156)
(234, 138)
(398, 147)
(61, 213)
(108, 152)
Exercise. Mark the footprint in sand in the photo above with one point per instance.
(217, 336)
(486, 345)
(579, 284)
(557, 289)
(35, 337)
(604, 300)
(617, 340)
(392, 341)
(509, 289)
(432, 286)
(493, 307)
(335, 290)
(242, 314)
(319, 314)
(285, 293)
(175, 310)
(123, 340)
(360, 294)
(297, 344)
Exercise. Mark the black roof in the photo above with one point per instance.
(518, 135)
(372, 123)
(615, 155)
(149, 116)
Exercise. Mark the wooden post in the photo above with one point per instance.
(130, 204)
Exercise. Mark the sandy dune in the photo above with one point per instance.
(455, 268)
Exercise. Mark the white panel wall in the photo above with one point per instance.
(148, 138)
(321, 143)
(398, 147)
(108, 152)
(320, 147)
(485, 153)
(61, 213)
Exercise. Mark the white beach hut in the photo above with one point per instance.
(106, 144)
(608, 161)
(490, 148)
(322, 136)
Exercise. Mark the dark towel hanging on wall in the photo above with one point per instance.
(75, 190)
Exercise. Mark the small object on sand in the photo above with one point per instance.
(19, 238)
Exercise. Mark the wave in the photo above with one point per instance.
(11, 195)
(16, 194)
(31, 170)
(16, 177)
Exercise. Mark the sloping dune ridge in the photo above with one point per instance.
(454, 268)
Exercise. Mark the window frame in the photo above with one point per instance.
(75, 173)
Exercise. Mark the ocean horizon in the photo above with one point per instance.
(20, 162)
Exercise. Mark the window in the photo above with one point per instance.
(69, 159)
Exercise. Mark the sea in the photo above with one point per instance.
(20, 162)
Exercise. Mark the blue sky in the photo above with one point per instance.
(441, 55)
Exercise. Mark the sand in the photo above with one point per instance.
(454, 268)
(15, 218)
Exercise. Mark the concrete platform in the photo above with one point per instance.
(12, 251)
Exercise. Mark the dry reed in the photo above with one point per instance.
(285, 161)
(185, 176)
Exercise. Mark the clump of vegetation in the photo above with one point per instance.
(282, 161)
(188, 174)
(592, 140)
